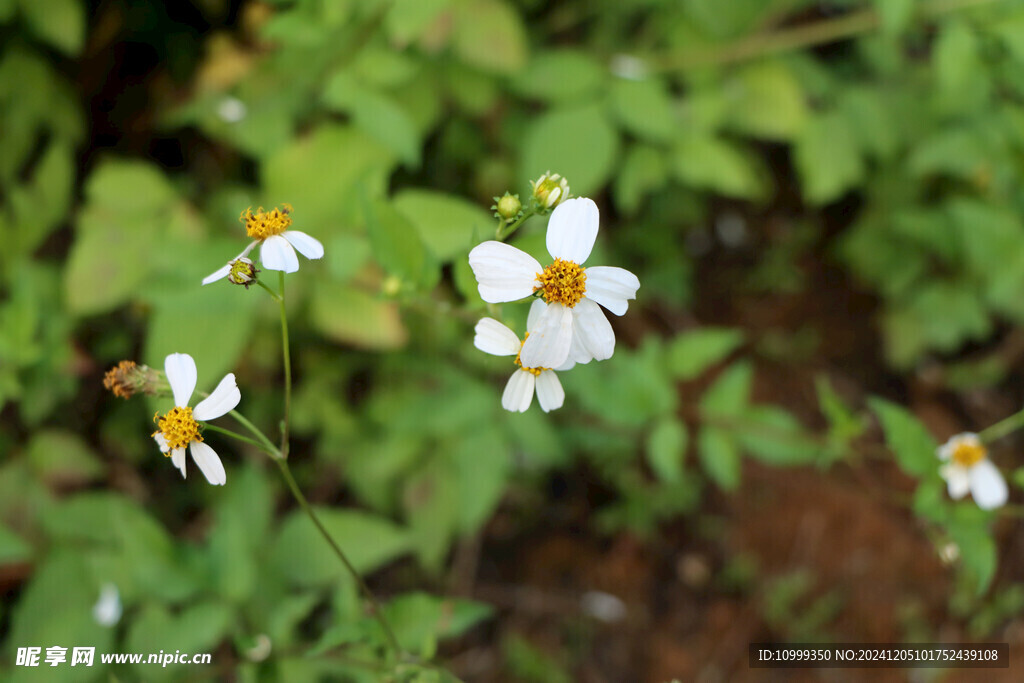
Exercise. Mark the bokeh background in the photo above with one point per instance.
(822, 200)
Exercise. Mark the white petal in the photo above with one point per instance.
(611, 287)
(536, 311)
(987, 485)
(578, 353)
(209, 463)
(572, 229)
(277, 254)
(161, 442)
(181, 373)
(593, 329)
(223, 399)
(550, 394)
(518, 392)
(178, 460)
(107, 610)
(548, 343)
(503, 272)
(218, 274)
(494, 338)
(957, 480)
(310, 247)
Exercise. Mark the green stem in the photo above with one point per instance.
(269, 290)
(787, 40)
(504, 234)
(268, 445)
(367, 593)
(287, 372)
(1002, 428)
(236, 435)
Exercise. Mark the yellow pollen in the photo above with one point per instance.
(178, 427)
(563, 282)
(968, 454)
(533, 371)
(264, 224)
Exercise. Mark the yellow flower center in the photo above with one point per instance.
(178, 427)
(264, 224)
(533, 371)
(968, 454)
(563, 282)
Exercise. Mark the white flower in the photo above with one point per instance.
(968, 468)
(179, 427)
(496, 339)
(107, 610)
(270, 228)
(572, 325)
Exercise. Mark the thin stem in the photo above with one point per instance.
(809, 35)
(287, 372)
(367, 593)
(1002, 428)
(271, 292)
(504, 234)
(268, 445)
(236, 435)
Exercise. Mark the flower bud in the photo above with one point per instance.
(550, 190)
(507, 207)
(243, 272)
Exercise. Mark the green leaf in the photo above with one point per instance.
(430, 500)
(449, 225)
(13, 549)
(490, 36)
(643, 108)
(709, 163)
(956, 59)
(579, 143)
(61, 23)
(243, 513)
(978, 552)
(562, 75)
(644, 171)
(397, 247)
(895, 14)
(910, 442)
(483, 464)
(768, 102)
(377, 114)
(729, 395)
(666, 447)
(63, 458)
(720, 456)
(199, 628)
(774, 436)
(40, 205)
(369, 541)
(827, 158)
(353, 316)
(408, 19)
(692, 353)
(421, 620)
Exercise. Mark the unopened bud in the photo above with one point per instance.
(507, 207)
(243, 272)
(550, 190)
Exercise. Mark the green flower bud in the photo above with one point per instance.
(507, 207)
(550, 190)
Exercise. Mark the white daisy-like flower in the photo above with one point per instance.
(968, 468)
(496, 339)
(572, 325)
(179, 427)
(270, 229)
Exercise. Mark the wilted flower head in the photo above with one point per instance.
(126, 379)
(968, 468)
(550, 190)
(243, 272)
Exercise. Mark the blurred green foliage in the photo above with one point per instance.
(390, 126)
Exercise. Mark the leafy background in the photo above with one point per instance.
(821, 199)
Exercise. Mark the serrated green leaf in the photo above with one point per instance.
(353, 316)
(978, 552)
(447, 224)
(767, 102)
(644, 171)
(397, 247)
(910, 442)
(720, 456)
(705, 162)
(827, 158)
(774, 436)
(692, 353)
(490, 36)
(666, 447)
(562, 75)
(375, 113)
(643, 108)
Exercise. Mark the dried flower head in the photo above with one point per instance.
(126, 379)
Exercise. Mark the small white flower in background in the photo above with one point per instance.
(572, 325)
(107, 610)
(179, 427)
(232, 109)
(968, 469)
(270, 229)
(496, 339)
